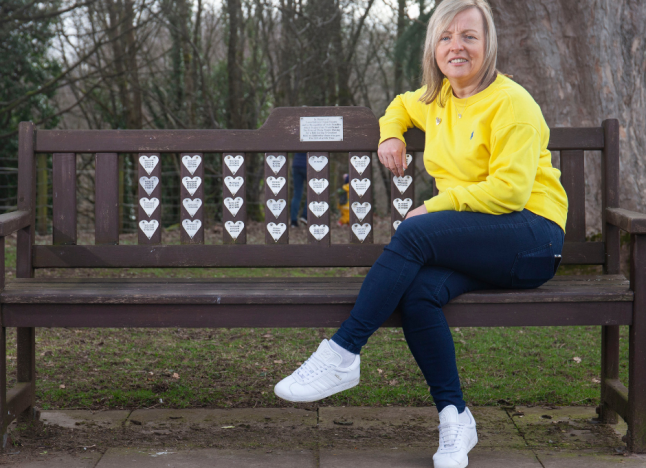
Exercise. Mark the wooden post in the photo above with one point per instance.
(192, 198)
(106, 199)
(122, 189)
(318, 198)
(361, 204)
(64, 198)
(637, 352)
(402, 194)
(149, 196)
(41, 224)
(276, 212)
(234, 195)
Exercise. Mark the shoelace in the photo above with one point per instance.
(450, 437)
(311, 369)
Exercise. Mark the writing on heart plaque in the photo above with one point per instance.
(149, 184)
(192, 184)
(275, 163)
(360, 163)
(234, 162)
(234, 229)
(360, 186)
(319, 231)
(361, 209)
(148, 163)
(233, 183)
(191, 162)
(402, 205)
(191, 227)
(192, 206)
(276, 206)
(318, 209)
(233, 204)
(275, 184)
(318, 185)
(402, 183)
(318, 162)
(396, 224)
(149, 205)
(361, 230)
(276, 230)
(148, 227)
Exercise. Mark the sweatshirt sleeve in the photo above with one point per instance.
(515, 151)
(406, 111)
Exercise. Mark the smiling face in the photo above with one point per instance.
(461, 49)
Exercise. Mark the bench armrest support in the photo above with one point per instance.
(12, 222)
(630, 221)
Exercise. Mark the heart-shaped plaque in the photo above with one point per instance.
(233, 204)
(191, 162)
(318, 208)
(148, 227)
(149, 184)
(402, 205)
(276, 163)
(360, 186)
(275, 183)
(319, 231)
(276, 206)
(318, 185)
(233, 184)
(361, 230)
(318, 162)
(360, 163)
(409, 159)
(234, 229)
(276, 230)
(234, 162)
(396, 224)
(402, 183)
(191, 227)
(361, 209)
(149, 205)
(148, 163)
(192, 206)
(191, 184)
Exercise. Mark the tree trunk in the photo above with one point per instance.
(233, 67)
(584, 62)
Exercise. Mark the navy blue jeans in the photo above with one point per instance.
(435, 257)
(300, 175)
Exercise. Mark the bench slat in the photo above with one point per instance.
(234, 233)
(106, 199)
(146, 174)
(314, 222)
(399, 199)
(573, 180)
(189, 176)
(64, 199)
(276, 171)
(363, 203)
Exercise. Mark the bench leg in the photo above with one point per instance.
(27, 369)
(4, 418)
(609, 369)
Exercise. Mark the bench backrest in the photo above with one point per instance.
(303, 129)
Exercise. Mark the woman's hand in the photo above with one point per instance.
(392, 154)
(420, 210)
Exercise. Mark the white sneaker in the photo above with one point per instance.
(319, 377)
(457, 437)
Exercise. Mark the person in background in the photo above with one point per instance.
(299, 175)
(344, 201)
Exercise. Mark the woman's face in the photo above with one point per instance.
(460, 51)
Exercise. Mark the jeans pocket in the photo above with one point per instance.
(533, 267)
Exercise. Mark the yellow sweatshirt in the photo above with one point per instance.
(494, 159)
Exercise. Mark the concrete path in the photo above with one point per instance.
(334, 437)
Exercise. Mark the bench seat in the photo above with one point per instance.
(294, 302)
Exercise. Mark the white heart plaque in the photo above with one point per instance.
(318, 162)
(361, 230)
(276, 163)
(360, 163)
(234, 162)
(276, 230)
(149, 184)
(149, 205)
(361, 209)
(318, 185)
(191, 227)
(396, 224)
(402, 183)
(192, 205)
(191, 162)
(275, 184)
(402, 205)
(233, 204)
(318, 208)
(233, 183)
(276, 206)
(409, 159)
(319, 231)
(148, 227)
(191, 184)
(360, 186)
(148, 163)
(234, 229)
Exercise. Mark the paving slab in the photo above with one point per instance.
(553, 459)
(401, 458)
(86, 460)
(84, 418)
(265, 417)
(211, 458)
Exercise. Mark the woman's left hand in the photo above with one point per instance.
(420, 210)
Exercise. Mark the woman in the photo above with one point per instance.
(498, 221)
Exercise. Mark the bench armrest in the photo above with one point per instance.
(12, 222)
(630, 221)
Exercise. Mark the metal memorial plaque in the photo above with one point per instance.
(396, 224)
(319, 231)
(233, 205)
(191, 227)
(409, 159)
(276, 206)
(361, 210)
(192, 205)
(148, 227)
(276, 230)
(234, 229)
(149, 205)
(318, 208)
(402, 205)
(360, 186)
(149, 184)
(276, 163)
(191, 162)
(275, 184)
(321, 128)
(360, 163)
(148, 163)
(318, 185)
(318, 162)
(191, 184)
(234, 162)
(361, 230)
(402, 183)
(233, 183)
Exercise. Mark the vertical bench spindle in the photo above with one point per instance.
(361, 206)
(402, 194)
(106, 199)
(192, 198)
(234, 192)
(64, 199)
(276, 214)
(149, 191)
(318, 198)
(573, 180)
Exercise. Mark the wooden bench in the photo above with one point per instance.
(608, 300)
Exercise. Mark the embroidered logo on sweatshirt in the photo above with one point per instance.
(471, 136)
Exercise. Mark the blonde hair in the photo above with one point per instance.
(446, 11)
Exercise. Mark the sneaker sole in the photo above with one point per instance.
(332, 391)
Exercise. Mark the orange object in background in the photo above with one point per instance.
(344, 204)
